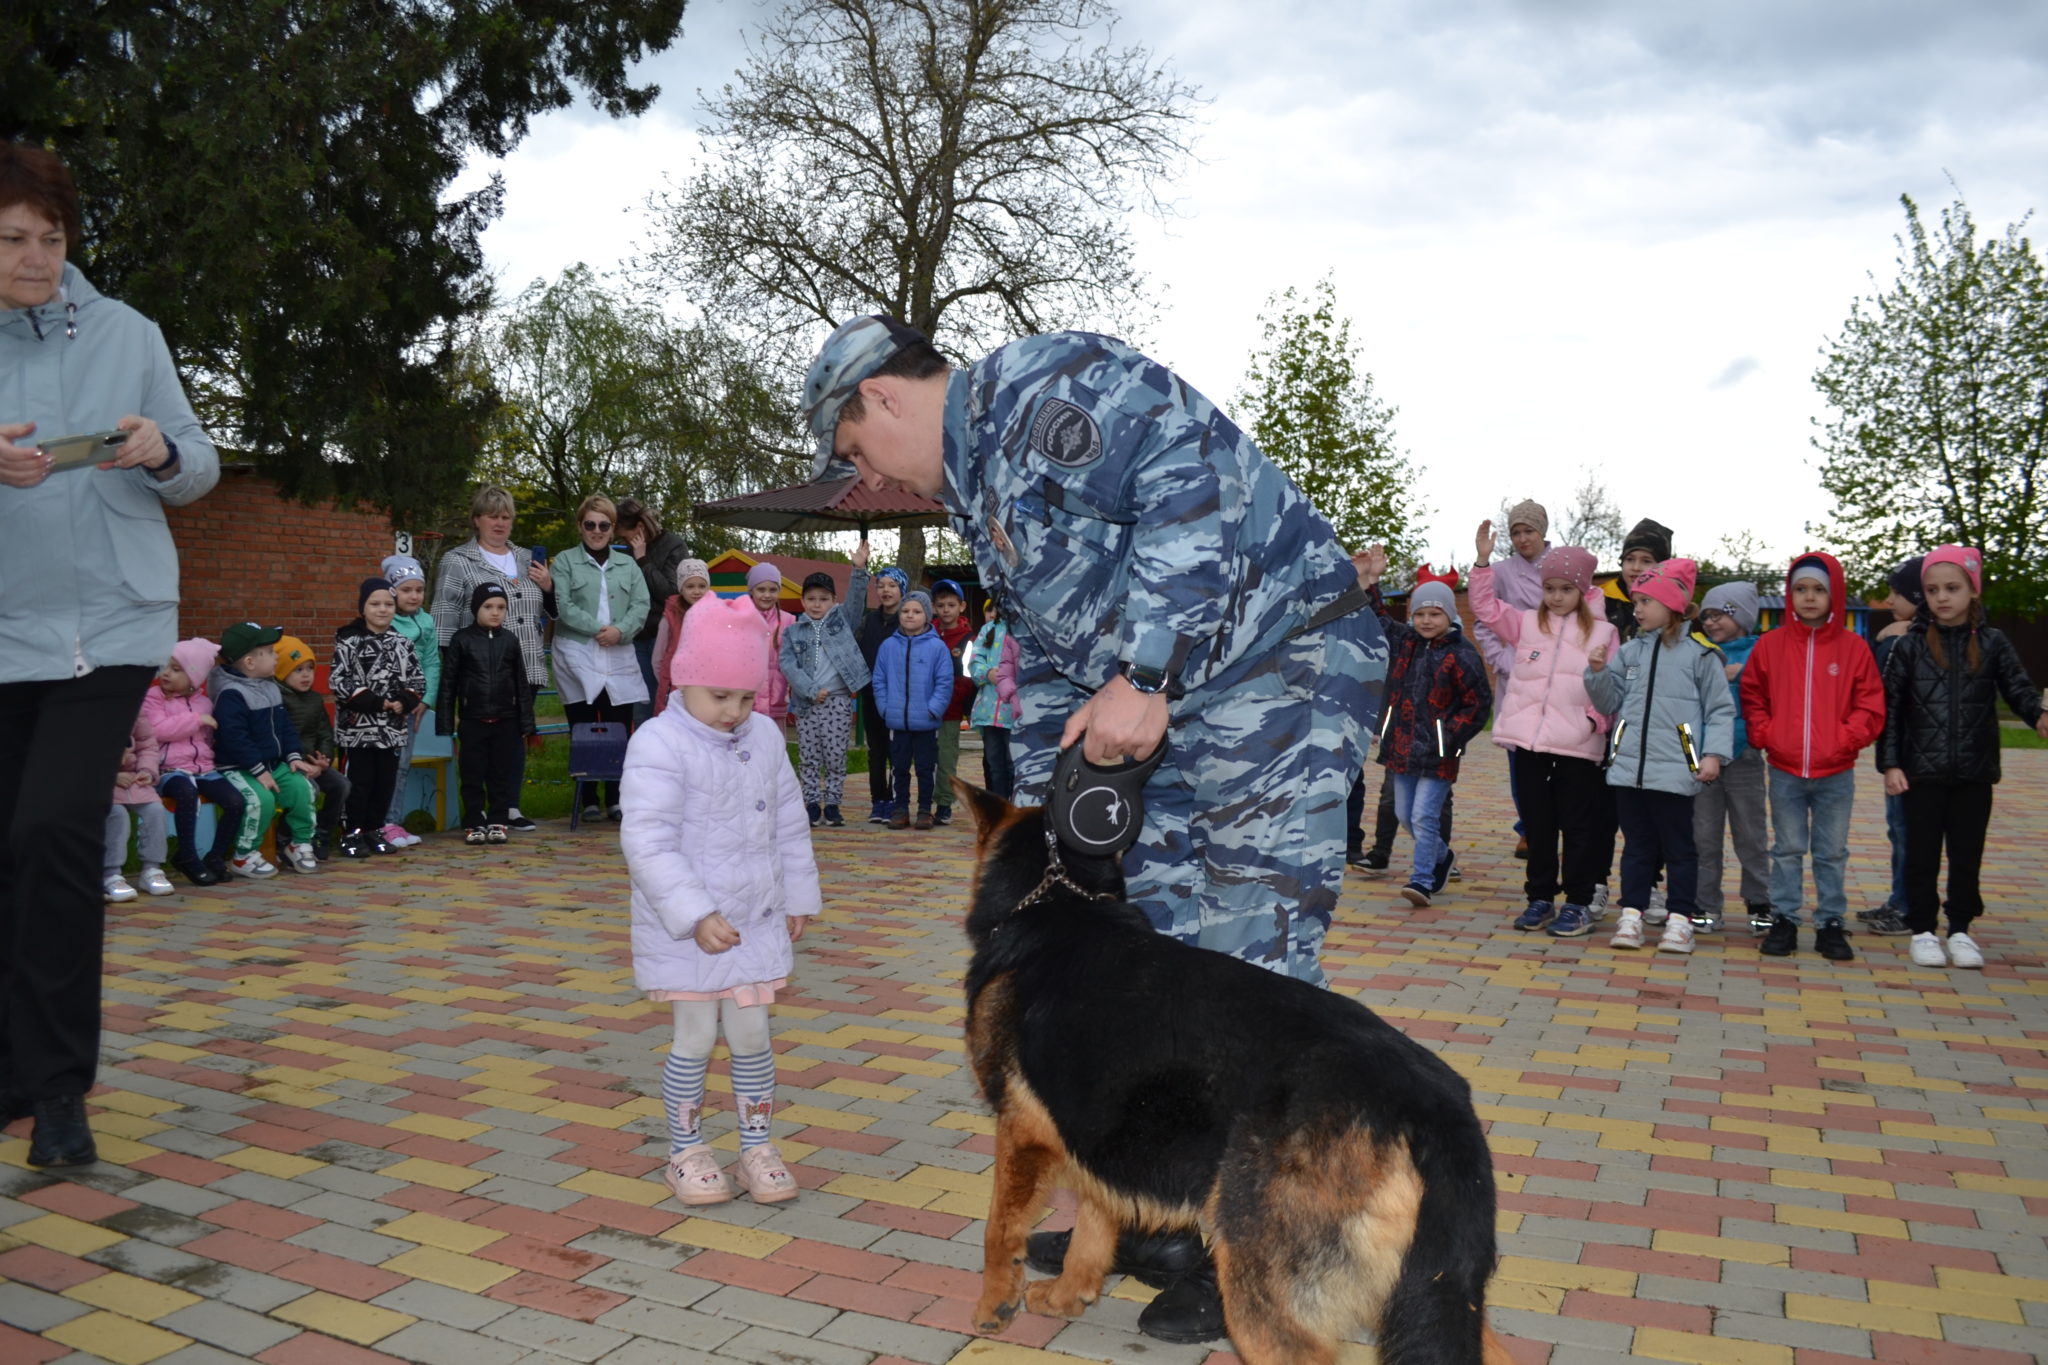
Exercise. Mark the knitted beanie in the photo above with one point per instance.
(1529, 512)
(402, 569)
(1738, 601)
(922, 598)
(1670, 583)
(370, 585)
(484, 592)
(1433, 594)
(1905, 580)
(1970, 561)
(1568, 561)
(692, 568)
(291, 652)
(724, 644)
(764, 572)
(1646, 534)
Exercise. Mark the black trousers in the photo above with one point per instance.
(599, 709)
(880, 765)
(493, 752)
(1561, 797)
(908, 748)
(186, 789)
(1956, 814)
(372, 779)
(333, 787)
(1385, 826)
(1656, 829)
(60, 746)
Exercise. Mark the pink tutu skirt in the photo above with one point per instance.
(748, 995)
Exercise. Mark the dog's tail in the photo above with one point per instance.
(1436, 1313)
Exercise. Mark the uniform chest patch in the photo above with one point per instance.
(1065, 434)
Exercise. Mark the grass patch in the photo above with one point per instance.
(2013, 735)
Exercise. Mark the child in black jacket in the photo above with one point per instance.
(484, 677)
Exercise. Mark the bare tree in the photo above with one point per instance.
(968, 166)
(1593, 520)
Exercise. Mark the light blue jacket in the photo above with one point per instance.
(833, 640)
(87, 567)
(1652, 688)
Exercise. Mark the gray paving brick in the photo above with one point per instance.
(889, 1337)
(147, 1260)
(666, 1322)
(438, 1303)
(248, 1289)
(263, 1189)
(435, 1344)
(809, 1224)
(1782, 1331)
(177, 1197)
(560, 1336)
(228, 1327)
(766, 1310)
(765, 1346)
(33, 1310)
(649, 1283)
(199, 1353)
(631, 1246)
(356, 1244)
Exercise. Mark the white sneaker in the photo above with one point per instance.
(252, 865)
(396, 836)
(1678, 933)
(1597, 907)
(1926, 951)
(302, 859)
(154, 882)
(1963, 951)
(1628, 933)
(1656, 912)
(117, 890)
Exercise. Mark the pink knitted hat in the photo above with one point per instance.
(1670, 583)
(764, 572)
(1568, 561)
(1965, 558)
(724, 644)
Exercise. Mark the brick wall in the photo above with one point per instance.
(247, 553)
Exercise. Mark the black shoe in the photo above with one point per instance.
(216, 868)
(1375, 860)
(815, 811)
(1782, 940)
(833, 818)
(521, 823)
(356, 844)
(1154, 1258)
(1831, 941)
(61, 1136)
(944, 816)
(199, 874)
(1188, 1311)
(323, 845)
(1760, 918)
(1886, 923)
(374, 840)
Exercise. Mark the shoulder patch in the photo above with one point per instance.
(1065, 434)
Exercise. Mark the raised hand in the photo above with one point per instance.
(1482, 544)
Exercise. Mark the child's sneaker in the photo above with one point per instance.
(252, 865)
(1885, 924)
(1926, 951)
(1657, 910)
(899, 818)
(943, 816)
(497, 834)
(1782, 940)
(923, 820)
(833, 819)
(1416, 894)
(323, 844)
(1678, 932)
(116, 889)
(398, 836)
(356, 844)
(1628, 931)
(763, 1176)
(1964, 952)
(475, 834)
(815, 811)
(1574, 921)
(153, 881)
(301, 858)
(517, 820)
(1831, 941)
(881, 812)
(693, 1177)
(1536, 916)
(1373, 863)
(1760, 917)
(1456, 873)
(1596, 908)
(377, 842)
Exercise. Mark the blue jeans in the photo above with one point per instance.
(1419, 806)
(1811, 814)
(1895, 830)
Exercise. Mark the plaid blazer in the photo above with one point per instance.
(457, 576)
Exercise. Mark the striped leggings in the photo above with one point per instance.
(689, 1057)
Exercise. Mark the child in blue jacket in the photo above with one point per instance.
(257, 747)
(913, 687)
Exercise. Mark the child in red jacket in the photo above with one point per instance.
(1812, 700)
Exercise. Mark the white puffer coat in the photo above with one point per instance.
(713, 822)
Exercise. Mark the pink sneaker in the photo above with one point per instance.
(763, 1176)
(694, 1178)
(396, 836)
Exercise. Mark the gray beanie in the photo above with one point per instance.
(1433, 595)
(1738, 600)
(402, 568)
(922, 598)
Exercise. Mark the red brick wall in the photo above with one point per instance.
(247, 553)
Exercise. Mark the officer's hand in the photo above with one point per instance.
(1119, 721)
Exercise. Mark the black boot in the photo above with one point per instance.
(61, 1136)
(1154, 1258)
(1782, 940)
(1189, 1310)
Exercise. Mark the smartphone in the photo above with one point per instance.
(81, 452)
(540, 554)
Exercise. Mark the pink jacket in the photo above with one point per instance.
(184, 744)
(147, 757)
(773, 700)
(1542, 704)
(713, 822)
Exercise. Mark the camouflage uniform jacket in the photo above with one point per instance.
(1124, 520)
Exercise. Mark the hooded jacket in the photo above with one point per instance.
(1651, 688)
(483, 678)
(144, 756)
(1518, 586)
(1811, 695)
(714, 822)
(1437, 699)
(185, 741)
(913, 680)
(1543, 703)
(369, 670)
(1941, 724)
(424, 636)
(994, 672)
(308, 711)
(87, 567)
(957, 640)
(256, 732)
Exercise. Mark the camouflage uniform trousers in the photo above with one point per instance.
(1243, 845)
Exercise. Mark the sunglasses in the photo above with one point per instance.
(597, 526)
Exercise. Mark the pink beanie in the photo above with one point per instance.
(764, 572)
(1971, 563)
(1670, 583)
(1568, 561)
(724, 644)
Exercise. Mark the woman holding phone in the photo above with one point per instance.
(89, 583)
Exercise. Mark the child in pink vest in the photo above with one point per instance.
(181, 716)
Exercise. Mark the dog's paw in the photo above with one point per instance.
(992, 1313)
(1045, 1296)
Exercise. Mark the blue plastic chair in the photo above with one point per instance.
(597, 753)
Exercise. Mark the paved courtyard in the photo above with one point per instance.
(401, 1112)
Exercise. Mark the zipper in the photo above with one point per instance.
(1806, 735)
(1649, 701)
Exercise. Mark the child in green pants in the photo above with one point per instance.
(257, 748)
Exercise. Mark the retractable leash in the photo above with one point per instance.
(1093, 810)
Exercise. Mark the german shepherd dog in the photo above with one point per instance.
(1335, 1164)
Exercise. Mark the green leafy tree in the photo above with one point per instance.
(268, 180)
(1593, 521)
(1939, 429)
(1310, 406)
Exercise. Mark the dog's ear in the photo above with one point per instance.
(990, 811)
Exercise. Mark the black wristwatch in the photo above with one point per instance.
(1150, 681)
(168, 465)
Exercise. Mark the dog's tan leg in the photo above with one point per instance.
(1090, 1252)
(1257, 1299)
(1025, 1163)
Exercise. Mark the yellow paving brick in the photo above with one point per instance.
(984, 1124)
(133, 1102)
(914, 1066)
(167, 1052)
(298, 1097)
(1511, 1146)
(263, 1161)
(1940, 1132)
(1866, 1224)
(1870, 1317)
(715, 1236)
(605, 1185)
(130, 1296)
(68, 1235)
(440, 1126)
(131, 1126)
(2001, 1184)
(967, 1182)
(885, 1191)
(1535, 1298)
(441, 1175)
(363, 1323)
(449, 1270)
(498, 1097)
(867, 1090)
(1975, 1281)
(432, 1230)
(985, 1352)
(961, 1205)
(1961, 1303)
(1661, 1343)
(1720, 1248)
(1834, 1184)
(113, 1337)
(1599, 1279)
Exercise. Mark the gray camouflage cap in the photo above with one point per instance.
(852, 353)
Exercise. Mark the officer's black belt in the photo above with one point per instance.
(1353, 598)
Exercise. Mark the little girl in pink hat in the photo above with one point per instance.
(719, 847)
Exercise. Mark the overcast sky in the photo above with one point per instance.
(1606, 234)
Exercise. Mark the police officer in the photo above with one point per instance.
(1160, 575)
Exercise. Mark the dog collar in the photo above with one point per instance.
(1097, 810)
